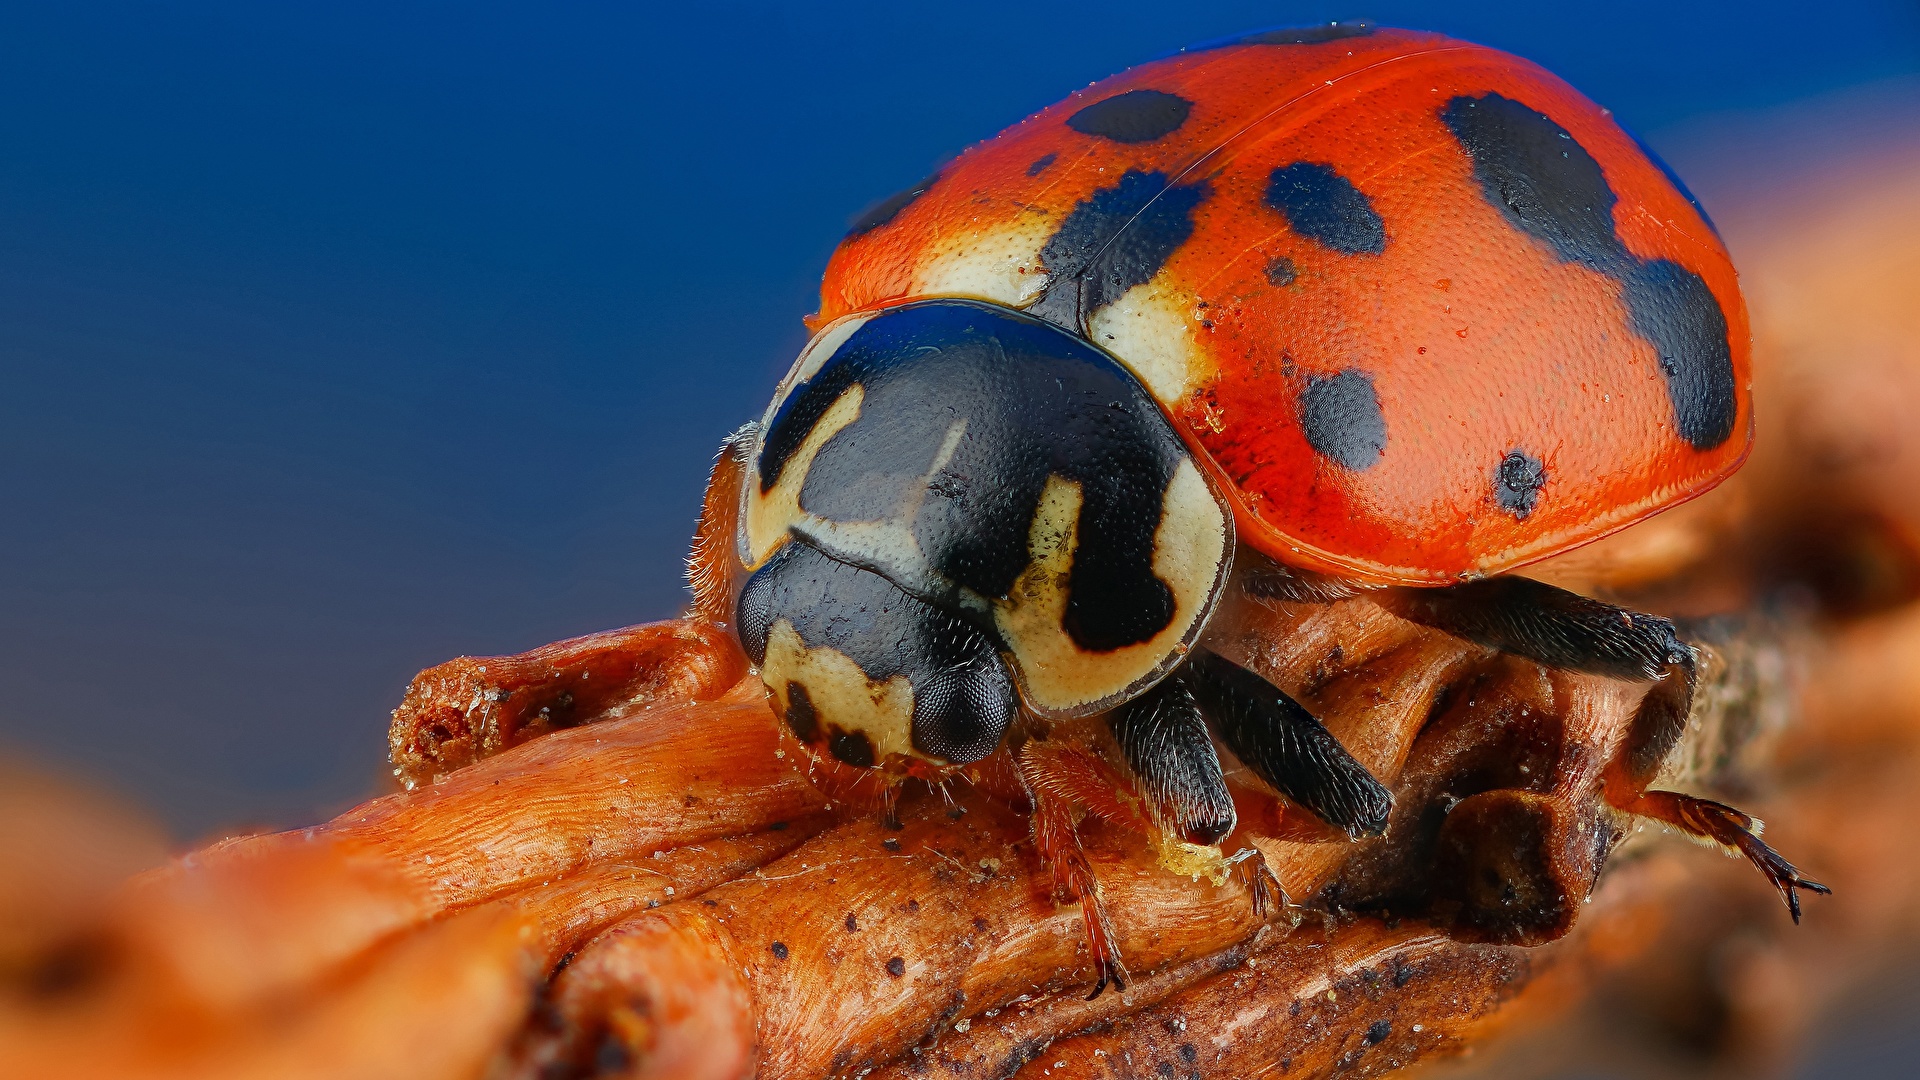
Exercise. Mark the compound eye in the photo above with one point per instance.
(963, 708)
(753, 613)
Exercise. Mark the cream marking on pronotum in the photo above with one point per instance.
(888, 547)
(1192, 554)
(768, 514)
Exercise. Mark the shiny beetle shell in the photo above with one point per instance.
(1423, 311)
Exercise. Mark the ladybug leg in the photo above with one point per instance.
(1164, 738)
(1266, 579)
(1558, 628)
(1732, 831)
(1047, 776)
(1286, 745)
(711, 564)
(1263, 885)
(1078, 778)
(1657, 726)
(1566, 630)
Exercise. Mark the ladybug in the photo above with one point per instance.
(1292, 315)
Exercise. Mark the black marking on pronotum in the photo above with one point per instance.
(1296, 35)
(1036, 402)
(1116, 238)
(888, 208)
(1340, 416)
(1322, 205)
(1517, 481)
(1549, 187)
(963, 697)
(1040, 164)
(1281, 271)
(1137, 116)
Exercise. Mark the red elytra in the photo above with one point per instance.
(1425, 311)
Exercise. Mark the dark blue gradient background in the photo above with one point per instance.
(338, 339)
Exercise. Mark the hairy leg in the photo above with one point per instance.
(1282, 742)
(1541, 622)
(1165, 741)
(1729, 829)
(1048, 776)
(1562, 629)
(711, 565)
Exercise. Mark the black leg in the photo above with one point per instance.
(1266, 579)
(1660, 721)
(1290, 749)
(1165, 740)
(1558, 628)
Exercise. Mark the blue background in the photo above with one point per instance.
(338, 339)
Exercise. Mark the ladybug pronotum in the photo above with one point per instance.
(1294, 315)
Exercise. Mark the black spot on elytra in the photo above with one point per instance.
(1517, 482)
(852, 748)
(801, 717)
(1545, 183)
(1549, 187)
(1137, 116)
(779, 950)
(1378, 1032)
(1322, 205)
(1340, 416)
(1281, 271)
(897, 967)
(1189, 1053)
(1672, 307)
(888, 208)
(1116, 238)
(1040, 164)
